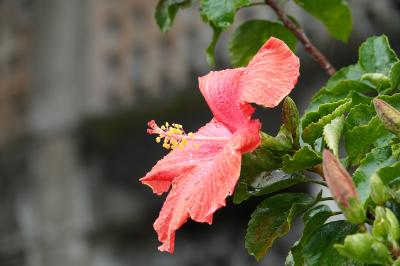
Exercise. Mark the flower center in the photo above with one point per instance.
(174, 136)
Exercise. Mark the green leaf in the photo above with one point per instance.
(374, 132)
(314, 122)
(339, 91)
(361, 139)
(315, 214)
(389, 173)
(281, 143)
(379, 81)
(362, 121)
(166, 11)
(251, 35)
(396, 150)
(253, 165)
(323, 110)
(211, 47)
(334, 14)
(272, 219)
(352, 72)
(221, 13)
(358, 98)
(393, 100)
(313, 219)
(394, 76)
(332, 134)
(359, 115)
(375, 160)
(302, 159)
(319, 250)
(376, 56)
(265, 183)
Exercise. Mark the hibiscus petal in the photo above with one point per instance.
(199, 191)
(270, 75)
(222, 93)
(179, 162)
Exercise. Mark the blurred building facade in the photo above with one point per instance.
(128, 56)
(15, 58)
(62, 62)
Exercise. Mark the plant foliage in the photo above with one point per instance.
(343, 117)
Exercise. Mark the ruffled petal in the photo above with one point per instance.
(179, 162)
(199, 191)
(247, 139)
(270, 75)
(222, 93)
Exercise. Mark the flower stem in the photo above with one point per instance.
(316, 54)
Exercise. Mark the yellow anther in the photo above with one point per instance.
(177, 131)
(174, 136)
(174, 142)
(167, 146)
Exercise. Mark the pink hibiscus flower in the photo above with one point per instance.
(204, 167)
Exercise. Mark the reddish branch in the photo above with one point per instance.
(301, 36)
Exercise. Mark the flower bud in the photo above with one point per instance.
(291, 117)
(386, 226)
(389, 116)
(394, 225)
(379, 192)
(342, 188)
(355, 213)
(364, 248)
(380, 229)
